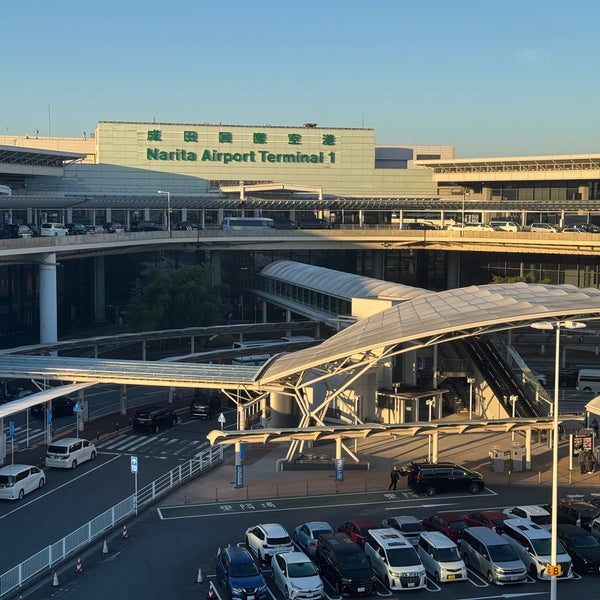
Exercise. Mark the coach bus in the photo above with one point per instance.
(245, 223)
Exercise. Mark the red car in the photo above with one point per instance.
(357, 529)
(449, 523)
(494, 519)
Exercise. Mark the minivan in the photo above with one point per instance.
(500, 225)
(53, 229)
(18, 480)
(493, 556)
(394, 560)
(433, 478)
(532, 544)
(440, 557)
(344, 565)
(153, 419)
(69, 452)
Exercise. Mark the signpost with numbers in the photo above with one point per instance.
(134, 470)
(553, 570)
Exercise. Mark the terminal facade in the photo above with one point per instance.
(284, 172)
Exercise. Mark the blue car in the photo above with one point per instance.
(307, 535)
(238, 573)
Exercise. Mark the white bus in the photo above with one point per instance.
(244, 223)
(588, 380)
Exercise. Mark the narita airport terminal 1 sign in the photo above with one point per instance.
(212, 155)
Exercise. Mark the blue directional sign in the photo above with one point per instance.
(11, 429)
(339, 469)
(77, 408)
(49, 416)
(239, 476)
(134, 464)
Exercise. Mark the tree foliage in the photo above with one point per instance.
(173, 299)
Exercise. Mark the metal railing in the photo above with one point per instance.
(52, 555)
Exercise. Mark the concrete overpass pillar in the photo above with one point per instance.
(48, 302)
(378, 265)
(215, 263)
(452, 270)
(99, 290)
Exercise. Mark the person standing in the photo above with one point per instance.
(394, 477)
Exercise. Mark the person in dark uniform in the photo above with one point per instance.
(394, 477)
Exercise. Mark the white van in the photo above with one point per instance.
(500, 225)
(532, 544)
(394, 560)
(53, 229)
(588, 380)
(440, 557)
(69, 452)
(543, 227)
(531, 512)
(18, 480)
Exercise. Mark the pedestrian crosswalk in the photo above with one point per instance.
(152, 446)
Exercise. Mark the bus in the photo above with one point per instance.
(588, 380)
(246, 223)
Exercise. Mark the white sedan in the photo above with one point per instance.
(296, 576)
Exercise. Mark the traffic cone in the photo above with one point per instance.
(78, 566)
(105, 548)
(55, 580)
(125, 532)
(200, 578)
(211, 592)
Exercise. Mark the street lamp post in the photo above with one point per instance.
(431, 404)
(470, 381)
(556, 326)
(513, 399)
(168, 210)
(462, 229)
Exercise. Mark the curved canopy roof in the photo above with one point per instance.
(436, 317)
(339, 284)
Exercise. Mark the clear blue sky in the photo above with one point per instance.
(503, 78)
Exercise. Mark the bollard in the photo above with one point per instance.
(117, 425)
(570, 477)
(105, 548)
(247, 493)
(97, 434)
(216, 494)
(509, 474)
(200, 578)
(276, 489)
(539, 477)
(55, 580)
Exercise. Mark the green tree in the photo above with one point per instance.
(172, 299)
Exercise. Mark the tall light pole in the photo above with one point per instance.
(431, 404)
(470, 381)
(168, 210)
(513, 399)
(553, 569)
(465, 194)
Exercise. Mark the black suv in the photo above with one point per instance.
(432, 478)
(154, 418)
(146, 226)
(344, 565)
(61, 407)
(204, 406)
(577, 512)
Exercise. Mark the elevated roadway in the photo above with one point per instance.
(32, 250)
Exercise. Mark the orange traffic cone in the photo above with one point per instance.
(79, 566)
(125, 532)
(211, 591)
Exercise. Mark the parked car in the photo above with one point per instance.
(284, 224)
(237, 572)
(492, 555)
(153, 419)
(307, 535)
(61, 407)
(95, 229)
(76, 229)
(24, 231)
(68, 453)
(533, 545)
(315, 224)
(536, 514)
(419, 225)
(504, 225)
(395, 560)
(296, 576)
(113, 227)
(408, 525)
(543, 227)
(440, 557)
(146, 226)
(357, 529)
(478, 227)
(344, 565)
(432, 478)
(267, 539)
(577, 512)
(187, 226)
(53, 230)
(586, 228)
(18, 480)
(9, 231)
(582, 546)
(493, 519)
(451, 524)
